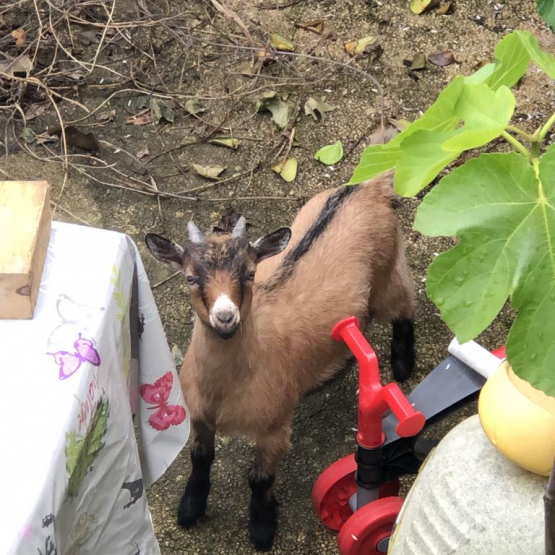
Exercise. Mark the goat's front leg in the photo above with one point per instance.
(270, 448)
(193, 502)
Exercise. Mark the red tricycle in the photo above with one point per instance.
(358, 494)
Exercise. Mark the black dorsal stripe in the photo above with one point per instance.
(320, 224)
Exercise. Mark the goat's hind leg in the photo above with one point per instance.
(263, 510)
(193, 502)
(396, 305)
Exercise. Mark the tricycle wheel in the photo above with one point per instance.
(368, 530)
(335, 486)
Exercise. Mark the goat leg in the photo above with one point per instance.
(402, 349)
(193, 502)
(263, 510)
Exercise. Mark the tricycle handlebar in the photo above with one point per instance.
(375, 399)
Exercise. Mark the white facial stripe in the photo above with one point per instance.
(223, 309)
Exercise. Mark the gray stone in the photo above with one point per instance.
(471, 500)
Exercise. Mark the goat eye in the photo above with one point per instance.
(251, 276)
(191, 279)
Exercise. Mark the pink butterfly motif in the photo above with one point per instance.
(69, 363)
(157, 394)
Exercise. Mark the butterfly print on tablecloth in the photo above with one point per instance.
(69, 363)
(135, 489)
(157, 394)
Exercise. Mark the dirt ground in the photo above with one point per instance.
(174, 52)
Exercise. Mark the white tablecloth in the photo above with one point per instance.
(92, 363)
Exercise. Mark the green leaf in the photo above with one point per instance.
(279, 42)
(81, 452)
(287, 170)
(544, 60)
(330, 154)
(506, 224)
(512, 58)
(530, 346)
(511, 62)
(485, 113)
(546, 9)
(422, 158)
(440, 116)
(375, 159)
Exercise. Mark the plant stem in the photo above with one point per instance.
(545, 129)
(517, 145)
(520, 132)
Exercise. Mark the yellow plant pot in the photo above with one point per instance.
(519, 420)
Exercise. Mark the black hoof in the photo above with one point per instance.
(263, 525)
(193, 503)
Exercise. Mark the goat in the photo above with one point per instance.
(264, 313)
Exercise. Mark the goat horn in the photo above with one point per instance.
(195, 234)
(240, 228)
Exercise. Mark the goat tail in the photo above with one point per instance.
(381, 136)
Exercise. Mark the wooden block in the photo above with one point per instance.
(24, 235)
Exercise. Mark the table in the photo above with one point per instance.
(91, 366)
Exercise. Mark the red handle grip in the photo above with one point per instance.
(374, 399)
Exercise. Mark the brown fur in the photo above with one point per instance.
(251, 383)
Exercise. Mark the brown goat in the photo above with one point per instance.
(264, 313)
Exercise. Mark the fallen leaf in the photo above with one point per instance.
(210, 172)
(249, 70)
(177, 356)
(400, 124)
(317, 107)
(314, 26)
(46, 138)
(19, 35)
(76, 75)
(139, 103)
(28, 136)
(18, 67)
(420, 6)
(160, 111)
(480, 65)
(330, 154)
(74, 137)
(142, 118)
(228, 221)
(417, 63)
(36, 110)
(354, 47)
(279, 42)
(143, 152)
(228, 142)
(443, 9)
(287, 169)
(194, 107)
(105, 117)
(277, 105)
(88, 35)
(442, 59)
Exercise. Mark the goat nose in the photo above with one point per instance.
(225, 316)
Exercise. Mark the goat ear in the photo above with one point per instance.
(271, 244)
(165, 250)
